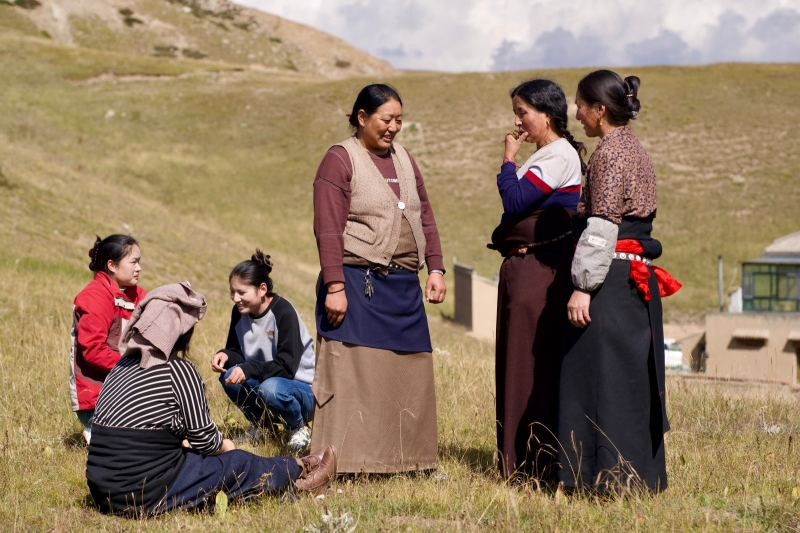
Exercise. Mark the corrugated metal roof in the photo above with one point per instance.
(751, 334)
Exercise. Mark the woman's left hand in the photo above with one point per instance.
(236, 377)
(578, 308)
(434, 288)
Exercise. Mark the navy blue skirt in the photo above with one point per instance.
(393, 318)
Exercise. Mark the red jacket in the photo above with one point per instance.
(99, 314)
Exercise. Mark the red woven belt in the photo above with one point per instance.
(640, 273)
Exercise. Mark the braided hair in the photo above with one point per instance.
(620, 97)
(254, 271)
(547, 97)
(113, 248)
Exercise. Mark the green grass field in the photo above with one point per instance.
(203, 161)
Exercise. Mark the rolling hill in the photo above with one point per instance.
(234, 149)
(218, 30)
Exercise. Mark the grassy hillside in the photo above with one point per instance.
(241, 148)
(195, 29)
(203, 161)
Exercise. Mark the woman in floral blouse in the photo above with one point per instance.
(612, 418)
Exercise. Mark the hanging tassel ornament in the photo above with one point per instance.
(369, 290)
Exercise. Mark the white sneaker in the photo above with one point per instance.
(87, 434)
(299, 439)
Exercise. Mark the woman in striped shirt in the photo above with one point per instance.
(154, 446)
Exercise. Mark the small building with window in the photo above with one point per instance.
(762, 341)
(770, 282)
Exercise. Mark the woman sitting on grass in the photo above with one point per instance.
(267, 364)
(99, 314)
(155, 447)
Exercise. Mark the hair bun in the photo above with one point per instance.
(631, 86)
(262, 259)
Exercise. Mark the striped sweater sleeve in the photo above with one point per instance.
(552, 181)
(201, 431)
(520, 195)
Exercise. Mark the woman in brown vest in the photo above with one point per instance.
(374, 389)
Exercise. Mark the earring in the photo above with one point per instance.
(600, 121)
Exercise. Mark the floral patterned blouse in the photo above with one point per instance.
(620, 179)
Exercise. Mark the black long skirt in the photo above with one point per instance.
(612, 417)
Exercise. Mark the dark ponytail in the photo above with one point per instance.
(113, 248)
(182, 343)
(254, 271)
(620, 97)
(548, 98)
(371, 98)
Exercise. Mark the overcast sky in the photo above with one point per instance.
(483, 35)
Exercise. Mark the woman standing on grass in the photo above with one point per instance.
(267, 364)
(535, 237)
(375, 230)
(155, 447)
(99, 314)
(612, 415)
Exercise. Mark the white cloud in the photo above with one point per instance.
(480, 35)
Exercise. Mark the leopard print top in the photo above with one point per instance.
(620, 179)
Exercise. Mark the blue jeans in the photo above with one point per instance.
(85, 416)
(284, 400)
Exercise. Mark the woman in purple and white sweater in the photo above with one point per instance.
(535, 237)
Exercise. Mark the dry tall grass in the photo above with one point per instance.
(731, 455)
(202, 164)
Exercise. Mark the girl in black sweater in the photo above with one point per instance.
(267, 364)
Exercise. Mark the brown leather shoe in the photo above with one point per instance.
(318, 470)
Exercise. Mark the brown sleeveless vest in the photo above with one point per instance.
(373, 223)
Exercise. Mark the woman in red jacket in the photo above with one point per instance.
(99, 314)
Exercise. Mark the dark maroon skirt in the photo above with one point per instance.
(533, 292)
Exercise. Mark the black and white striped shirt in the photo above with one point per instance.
(169, 396)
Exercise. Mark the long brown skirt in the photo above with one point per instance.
(531, 317)
(377, 407)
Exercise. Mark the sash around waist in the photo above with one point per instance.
(130, 470)
(545, 227)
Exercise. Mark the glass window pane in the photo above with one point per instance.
(791, 286)
(761, 304)
(755, 267)
(782, 286)
(748, 286)
(784, 305)
(762, 285)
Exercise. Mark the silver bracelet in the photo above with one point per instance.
(436, 271)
